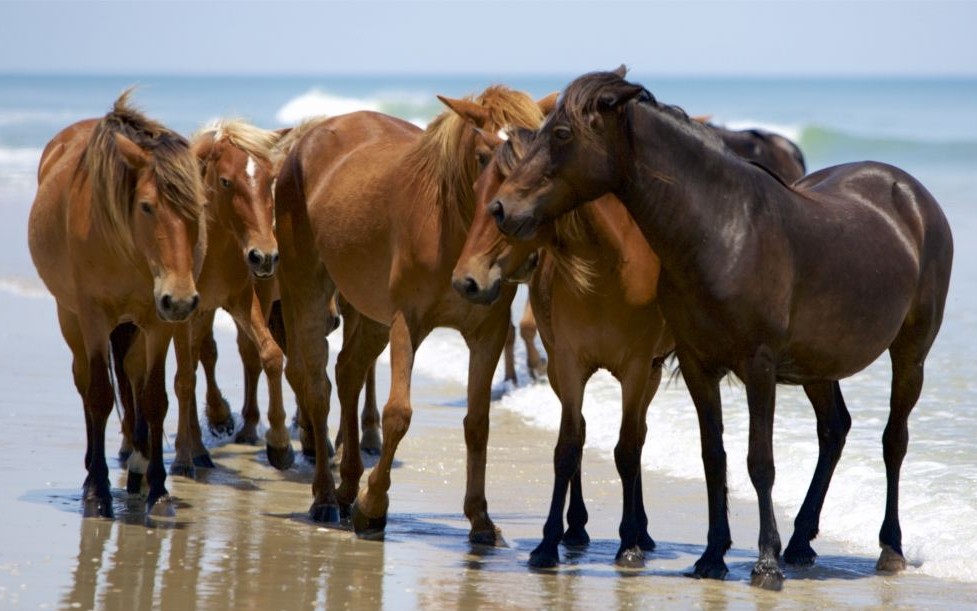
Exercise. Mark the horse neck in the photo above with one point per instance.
(599, 242)
(687, 193)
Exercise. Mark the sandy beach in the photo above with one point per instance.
(240, 538)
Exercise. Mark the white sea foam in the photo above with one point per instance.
(792, 132)
(317, 102)
(938, 484)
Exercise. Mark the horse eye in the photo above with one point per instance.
(146, 207)
(483, 159)
(225, 183)
(562, 133)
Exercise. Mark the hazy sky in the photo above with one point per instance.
(802, 37)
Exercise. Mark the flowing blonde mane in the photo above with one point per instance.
(570, 228)
(443, 163)
(253, 140)
(113, 183)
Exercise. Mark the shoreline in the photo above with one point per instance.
(241, 538)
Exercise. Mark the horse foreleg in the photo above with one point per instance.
(704, 389)
(185, 384)
(566, 455)
(251, 319)
(509, 355)
(485, 347)
(90, 371)
(833, 425)
(218, 410)
(369, 512)
(760, 396)
(154, 403)
(645, 542)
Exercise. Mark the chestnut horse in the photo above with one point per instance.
(237, 168)
(117, 234)
(379, 209)
(803, 284)
(594, 296)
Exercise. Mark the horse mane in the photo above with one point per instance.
(113, 183)
(441, 163)
(586, 94)
(568, 228)
(253, 140)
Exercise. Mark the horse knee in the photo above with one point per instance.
(396, 420)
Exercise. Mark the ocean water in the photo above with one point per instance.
(926, 126)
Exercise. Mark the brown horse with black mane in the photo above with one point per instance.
(594, 297)
(379, 209)
(803, 284)
(117, 233)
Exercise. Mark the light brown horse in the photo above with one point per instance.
(806, 283)
(594, 297)
(117, 233)
(379, 208)
(237, 168)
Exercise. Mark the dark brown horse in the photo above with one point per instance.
(375, 207)
(594, 298)
(117, 233)
(804, 284)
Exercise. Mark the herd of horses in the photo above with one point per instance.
(642, 234)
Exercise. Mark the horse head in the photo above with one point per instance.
(238, 173)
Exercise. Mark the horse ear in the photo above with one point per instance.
(132, 154)
(621, 71)
(624, 93)
(547, 104)
(704, 119)
(466, 109)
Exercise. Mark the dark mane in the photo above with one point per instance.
(113, 182)
(592, 92)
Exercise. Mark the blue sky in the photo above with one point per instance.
(791, 37)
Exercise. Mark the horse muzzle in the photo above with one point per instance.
(176, 309)
(469, 288)
(262, 264)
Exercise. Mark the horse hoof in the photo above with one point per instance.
(371, 442)
(134, 482)
(366, 527)
(324, 513)
(575, 537)
(184, 469)
(222, 429)
(97, 507)
(541, 558)
(631, 558)
(709, 569)
(161, 507)
(646, 543)
(767, 575)
(204, 461)
(491, 537)
(800, 555)
(247, 436)
(281, 458)
(890, 561)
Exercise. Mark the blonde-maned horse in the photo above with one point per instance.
(378, 208)
(594, 294)
(117, 234)
(237, 167)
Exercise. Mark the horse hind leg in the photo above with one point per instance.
(535, 361)
(251, 362)
(833, 422)
(121, 340)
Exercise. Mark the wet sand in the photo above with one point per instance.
(240, 538)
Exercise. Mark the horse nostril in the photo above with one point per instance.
(166, 302)
(255, 257)
(469, 286)
(497, 211)
(274, 258)
(194, 302)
